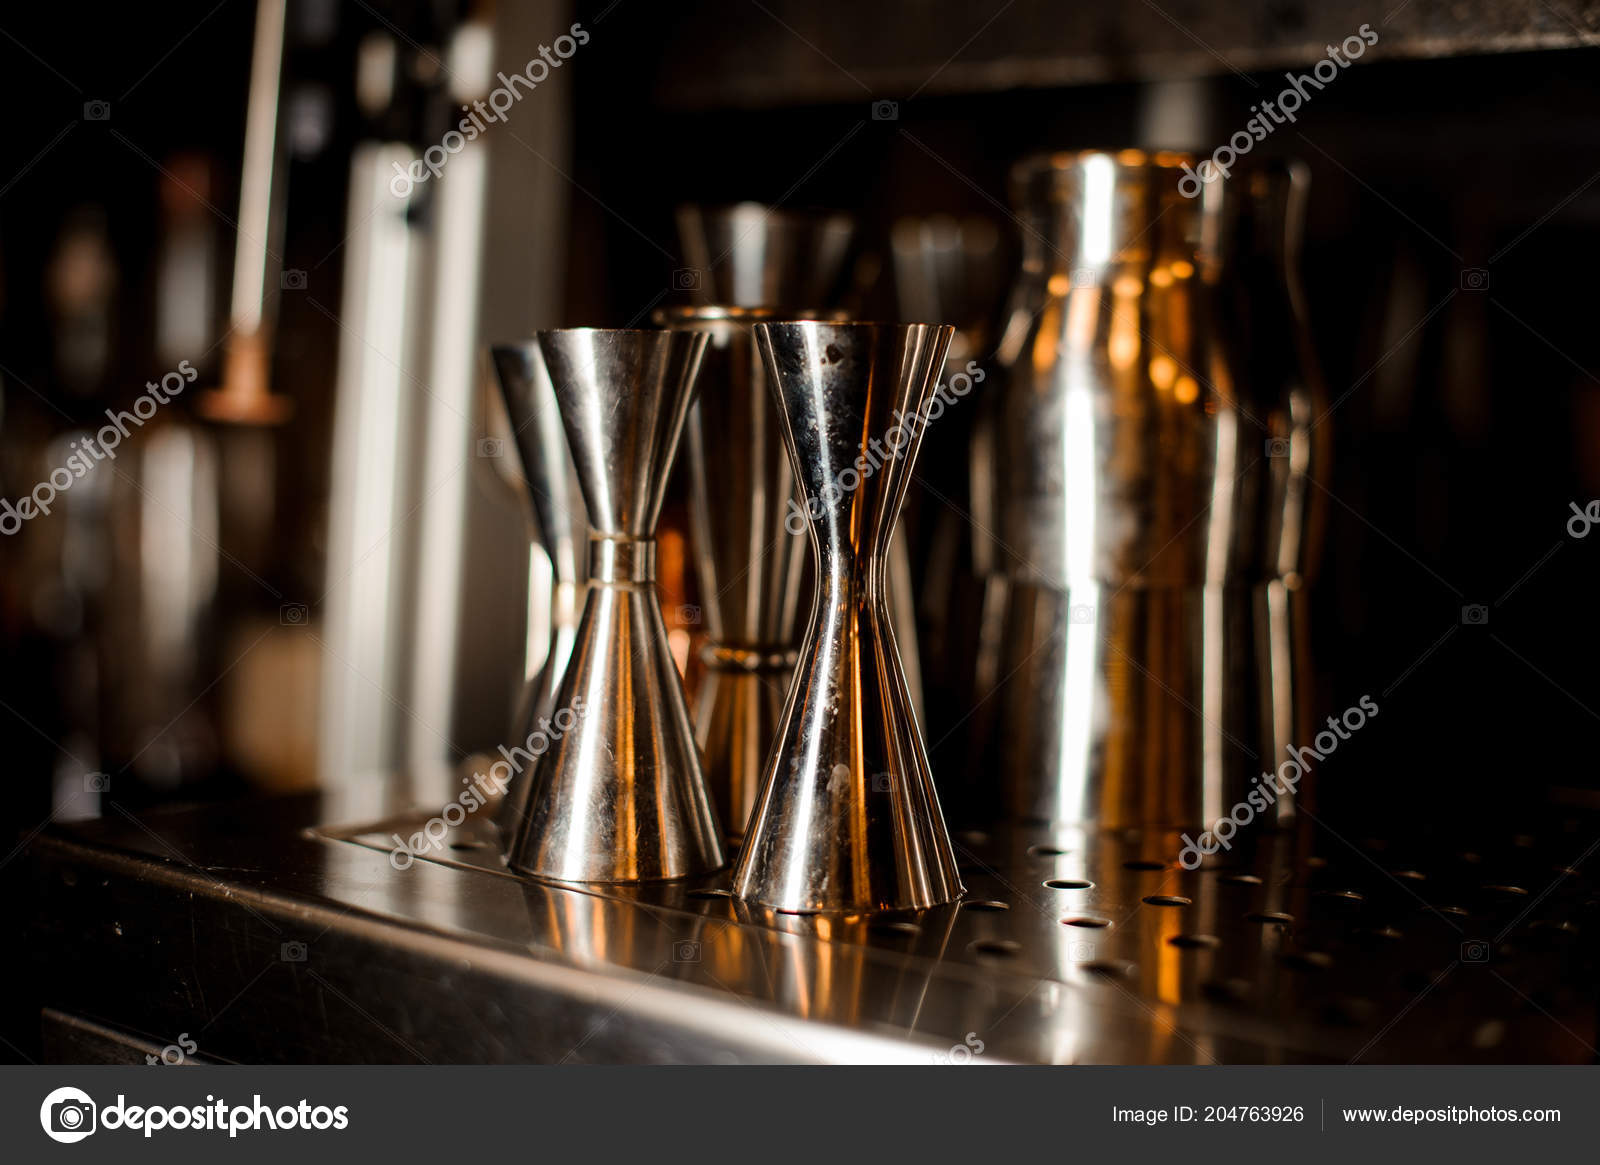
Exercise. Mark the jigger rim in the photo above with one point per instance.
(516, 346)
(712, 313)
(857, 323)
(799, 214)
(590, 331)
(1127, 157)
(1130, 158)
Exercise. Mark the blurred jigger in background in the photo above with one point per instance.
(953, 270)
(617, 794)
(848, 819)
(563, 531)
(792, 263)
(749, 255)
(747, 551)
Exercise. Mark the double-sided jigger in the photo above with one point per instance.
(557, 504)
(848, 819)
(619, 796)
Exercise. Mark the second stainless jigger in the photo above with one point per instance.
(848, 818)
(618, 794)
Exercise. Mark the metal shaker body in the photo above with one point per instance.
(1133, 511)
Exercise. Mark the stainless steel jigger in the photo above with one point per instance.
(747, 546)
(848, 818)
(557, 502)
(619, 795)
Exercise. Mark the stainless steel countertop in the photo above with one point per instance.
(272, 938)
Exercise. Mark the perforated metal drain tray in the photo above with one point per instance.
(278, 941)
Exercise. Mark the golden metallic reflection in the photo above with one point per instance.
(1163, 372)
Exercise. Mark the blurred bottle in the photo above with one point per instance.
(158, 636)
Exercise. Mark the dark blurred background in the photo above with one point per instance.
(168, 626)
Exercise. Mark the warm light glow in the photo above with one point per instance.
(1182, 268)
(1060, 283)
(1127, 286)
(1161, 277)
(1163, 371)
(1122, 348)
(1045, 342)
(1186, 391)
(1083, 317)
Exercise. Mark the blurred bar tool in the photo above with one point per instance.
(951, 270)
(245, 396)
(848, 818)
(562, 527)
(1276, 369)
(747, 546)
(1132, 509)
(617, 792)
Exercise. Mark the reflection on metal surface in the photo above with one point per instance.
(563, 530)
(1138, 507)
(1298, 947)
(822, 967)
(747, 554)
(620, 796)
(848, 818)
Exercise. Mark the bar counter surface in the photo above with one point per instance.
(266, 936)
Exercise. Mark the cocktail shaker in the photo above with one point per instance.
(1135, 502)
